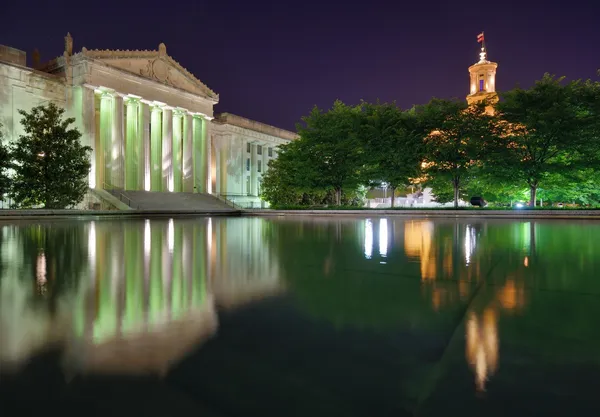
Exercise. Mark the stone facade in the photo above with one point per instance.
(242, 151)
(148, 120)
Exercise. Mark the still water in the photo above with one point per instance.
(313, 316)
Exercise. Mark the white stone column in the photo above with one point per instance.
(144, 161)
(208, 147)
(188, 158)
(155, 163)
(167, 150)
(118, 169)
(253, 169)
(106, 139)
(88, 116)
(177, 150)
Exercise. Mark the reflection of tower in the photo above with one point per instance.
(483, 78)
(482, 345)
(418, 243)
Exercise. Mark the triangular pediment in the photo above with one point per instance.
(154, 65)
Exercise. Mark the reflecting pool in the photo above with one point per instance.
(320, 316)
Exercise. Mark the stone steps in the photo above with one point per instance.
(153, 200)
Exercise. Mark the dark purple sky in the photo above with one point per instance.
(273, 60)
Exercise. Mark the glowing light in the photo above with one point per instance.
(209, 235)
(526, 261)
(368, 239)
(469, 243)
(383, 237)
(171, 236)
(147, 237)
(519, 205)
(92, 179)
(40, 270)
(482, 346)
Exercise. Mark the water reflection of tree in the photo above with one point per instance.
(324, 265)
(58, 254)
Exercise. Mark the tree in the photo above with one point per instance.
(394, 143)
(290, 178)
(51, 165)
(548, 129)
(332, 142)
(457, 142)
(5, 164)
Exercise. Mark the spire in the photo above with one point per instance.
(483, 53)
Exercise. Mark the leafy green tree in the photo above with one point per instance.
(5, 164)
(51, 165)
(332, 142)
(548, 130)
(457, 141)
(394, 144)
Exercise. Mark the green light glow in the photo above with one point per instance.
(106, 139)
(156, 150)
(133, 141)
(177, 151)
(199, 154)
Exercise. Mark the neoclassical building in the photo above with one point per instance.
(149, 121)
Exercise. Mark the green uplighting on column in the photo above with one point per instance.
(199, 154)
(177, 150)
(106, 137)
(187, 155)
(132, 145)
(156, 150)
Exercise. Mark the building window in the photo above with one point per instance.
(259, 150)
(270, 152)
(248, 147)
(480, 85)
(248, 185)
(248, 164)
(259, 166)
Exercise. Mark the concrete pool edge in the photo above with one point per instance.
(66, 213)
(502, 214)
(497, 214)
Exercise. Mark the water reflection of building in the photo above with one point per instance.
(133, 283)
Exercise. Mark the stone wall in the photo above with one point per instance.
(22, 88)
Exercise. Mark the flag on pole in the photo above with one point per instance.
(480, 37)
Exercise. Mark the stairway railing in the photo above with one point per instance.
(117, 192)
(224, 199)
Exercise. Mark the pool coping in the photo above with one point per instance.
(8, 214)
(506, 214)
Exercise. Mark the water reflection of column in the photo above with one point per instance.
(134, 281)
(177, 302)
(156, 285)
(187, 259)
(146, 274)
(118, 273)
(167, 267)
(199, 263)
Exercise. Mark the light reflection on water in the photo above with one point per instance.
(125, 296)
(136, 296)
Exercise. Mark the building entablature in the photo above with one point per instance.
(251, 136)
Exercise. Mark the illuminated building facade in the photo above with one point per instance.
(149, 121)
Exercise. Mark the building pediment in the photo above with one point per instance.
(154, 65)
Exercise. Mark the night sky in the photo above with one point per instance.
(273, 60)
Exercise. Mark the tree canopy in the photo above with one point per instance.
(547, 129)
(545, 139)
(51, 166)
